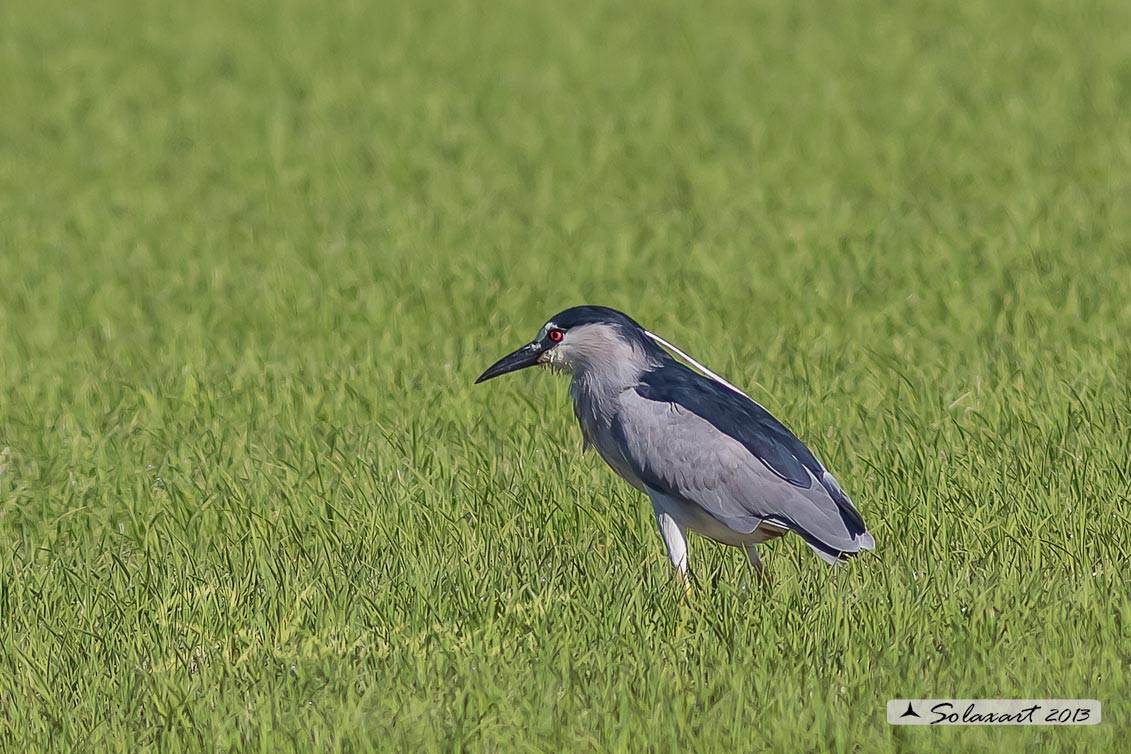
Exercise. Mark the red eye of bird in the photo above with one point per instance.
(555, 335)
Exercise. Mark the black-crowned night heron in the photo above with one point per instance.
(711, 460)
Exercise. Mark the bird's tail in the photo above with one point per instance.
(834, 556)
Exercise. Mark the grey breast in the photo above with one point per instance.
(596, 410)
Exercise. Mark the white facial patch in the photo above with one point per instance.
(546, 328)
(550, 358)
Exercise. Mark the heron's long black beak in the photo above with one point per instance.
(527, 356)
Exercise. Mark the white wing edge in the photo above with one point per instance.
(702, 369)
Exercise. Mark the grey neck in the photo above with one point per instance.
(601, 373)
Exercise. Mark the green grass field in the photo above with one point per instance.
(253, 255)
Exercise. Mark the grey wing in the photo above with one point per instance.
(677, 453)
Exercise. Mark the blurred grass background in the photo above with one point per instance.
(253, 255)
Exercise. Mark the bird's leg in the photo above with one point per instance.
(675, 540)
(760, 574)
